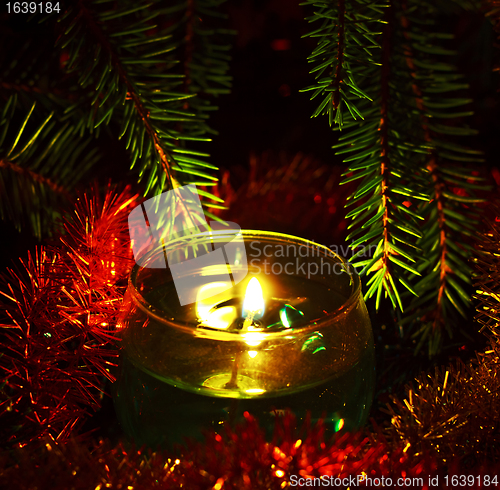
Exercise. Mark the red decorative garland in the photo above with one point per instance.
(242, 460)
(59, 312)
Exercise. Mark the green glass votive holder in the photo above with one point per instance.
(291, 334)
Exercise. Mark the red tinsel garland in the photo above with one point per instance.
(56, 331)
(241, 459)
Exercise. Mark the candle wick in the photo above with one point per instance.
(248, 320)
(233, 382)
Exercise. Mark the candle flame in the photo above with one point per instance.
(253, 305)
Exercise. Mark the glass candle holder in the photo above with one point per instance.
(293, 335)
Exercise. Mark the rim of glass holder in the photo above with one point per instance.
(152, 311)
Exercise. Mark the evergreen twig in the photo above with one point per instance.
(413, 204)
(145, 72)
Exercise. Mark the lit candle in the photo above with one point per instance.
(267, 344)
(218, 304)
(214, 308)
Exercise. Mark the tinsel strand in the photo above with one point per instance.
(57, 329)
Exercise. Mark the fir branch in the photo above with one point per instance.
(40, 162)
(378, 151)
(33, 176)
(434, 172)
(43, 152)
(19, 87)
(344, 47)
(492, 9)
(205, 63)
(116, 67)
(338, 79)
(189, 47)
(383, 217)
(136, 78)
(444, 241)
(407, 203)
(132, 94)
(385, 163)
